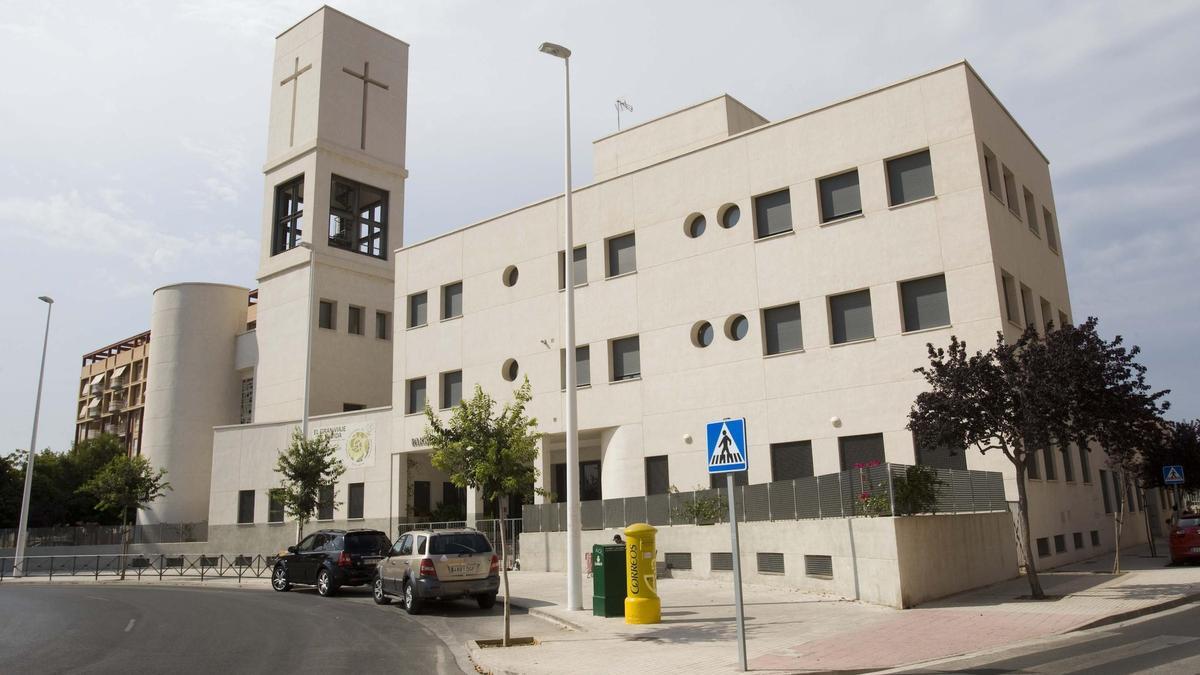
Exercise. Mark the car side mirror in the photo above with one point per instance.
(291, 549)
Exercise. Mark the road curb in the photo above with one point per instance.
(547, 616)
(1135, 613)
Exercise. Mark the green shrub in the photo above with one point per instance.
(917, 490)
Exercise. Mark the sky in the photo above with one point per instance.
(133, 134)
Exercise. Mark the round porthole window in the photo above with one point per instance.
(695, 226)
(510, 369)
(730, 216)
(737, 327)
(702, 334)
(510, 276)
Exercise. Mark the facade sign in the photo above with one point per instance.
(355, 443)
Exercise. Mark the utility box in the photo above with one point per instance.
(608, 580)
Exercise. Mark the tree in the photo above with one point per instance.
(127, 484)
(307, 466)
(1180, 446)
(12, 486)
(1031, 395)
(55, 498)
(492, 453)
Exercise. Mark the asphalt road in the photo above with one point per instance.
(1165, 643)
(126, 628)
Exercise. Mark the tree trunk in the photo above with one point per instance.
(504, 567)
(299, 530)
(1035, 585)
(1118, 519)
(124, 541)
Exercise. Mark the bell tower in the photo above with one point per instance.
(333, 205)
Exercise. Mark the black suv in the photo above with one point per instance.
(330, 559)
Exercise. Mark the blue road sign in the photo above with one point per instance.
(727, 446)
(1172, 474)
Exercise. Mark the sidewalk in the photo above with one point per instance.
(792, 631)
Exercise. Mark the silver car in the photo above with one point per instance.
(438, 565)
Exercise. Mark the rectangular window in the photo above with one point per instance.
(421, 502)
(325, 503)
(862, 449)
(351, 407)
(622, 258)
(589, 481)
(943, 457)
(1031, 213)
(327, 314)
(452, 300)
(1051, 230)
(246, 415)
(454, 496)
(1068, 468)
(1108, 508)
(578, 267)
(819, 566)
(910, 178)
(1051, 465)
(354, 321)
(558, 483)
(720, 562)
(1010, 192)
(1011, 312)
(418, 309)
(772, 214)
(1063, 320)
(274, 506)
(925, 304)
(245, 506)
(626, 359)
(1078, 537)
(720, 481)
(1027, 306)
(415, 402)
(850, 317)
(781, 329)
(769, 563)
(288, 222)
(451, 389)
(1043, 547)
(583, 367)
(1060, 543)
(354, 500)
(993, 173)
(1095, 537)
(791, 460)
(383, 325)
(839, 196)
(358, 218)
(658, 478)
(1047, 315)
(1032, 464)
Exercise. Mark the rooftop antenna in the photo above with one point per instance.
(621, 103)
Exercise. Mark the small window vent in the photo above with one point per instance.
(721, 562)
(770, 563)
(678, 561)
(1043, 547)
(819, 566)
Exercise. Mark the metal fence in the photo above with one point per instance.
(869, 491)
(107, 535)
(139, 565)
(490, 527)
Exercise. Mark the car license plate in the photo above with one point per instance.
(1196, 549)
(372, 559)
(462, 569)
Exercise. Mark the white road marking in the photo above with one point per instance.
(129, 626)
(1078, 664)
(96, 597)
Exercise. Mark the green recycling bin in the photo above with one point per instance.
(608, 580)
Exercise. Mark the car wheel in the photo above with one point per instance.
(486, 600)
(279, 580)
(412, 604)
(325, 585)
(381, 598)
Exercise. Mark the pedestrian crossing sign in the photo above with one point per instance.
(1173, 474)
(727, 450)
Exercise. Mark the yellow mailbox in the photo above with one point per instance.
(641, 602)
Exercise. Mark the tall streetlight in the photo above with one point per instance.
(574, 568)
(308, 324)
(23, 530)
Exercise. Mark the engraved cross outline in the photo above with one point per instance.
(294, 78)
(365, 76)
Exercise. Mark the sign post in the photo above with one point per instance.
(727, 454)
(1173, 475)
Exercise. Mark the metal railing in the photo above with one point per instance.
(108, 535)
(137, 566)
(856, 492)
(488, 526)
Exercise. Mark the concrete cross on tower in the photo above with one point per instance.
(294, 78)
(365, 76)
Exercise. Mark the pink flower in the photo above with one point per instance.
(858, 465)
(864, 496)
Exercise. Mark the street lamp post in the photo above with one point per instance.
(574, 567)
(23, 529)
(308, 324)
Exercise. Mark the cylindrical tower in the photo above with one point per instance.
(192, 386)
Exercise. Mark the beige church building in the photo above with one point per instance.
(789, 272)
